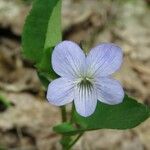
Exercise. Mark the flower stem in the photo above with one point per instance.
(65, 138)
(74, 141)
(72, 111)
(63, 113)
(64, 119)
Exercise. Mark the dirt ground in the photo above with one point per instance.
(27, 123)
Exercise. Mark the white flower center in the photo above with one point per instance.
(84, 81)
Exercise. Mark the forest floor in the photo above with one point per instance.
(27, 123)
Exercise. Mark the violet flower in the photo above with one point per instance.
(85, 79)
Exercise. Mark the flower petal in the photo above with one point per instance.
(68, 59)
(85, 100)
(104, 59)
(109, 91)
(60, 92)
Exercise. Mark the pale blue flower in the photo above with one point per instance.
(85, 79)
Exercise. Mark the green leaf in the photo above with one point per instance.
(126, 115)
(45, 67)
(42, 29)
(44, 79)
(5, 102)
(64, 128)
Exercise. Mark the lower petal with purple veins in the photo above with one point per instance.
(85, 99)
